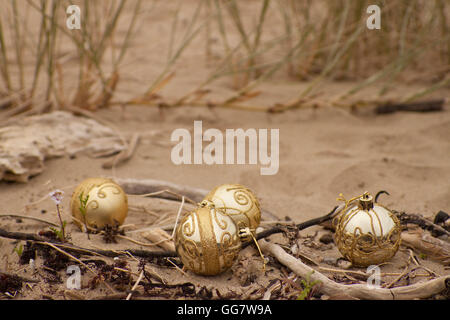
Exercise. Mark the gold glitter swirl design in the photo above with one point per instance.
(220, 222)
(364, 249)
(229, 247)
(206, 241)
(102, 194)
(191, 249)
(93, 204)
(189, 225)
(242, 196)
(238, 202)
(106, 203)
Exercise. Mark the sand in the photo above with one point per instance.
(323, 152)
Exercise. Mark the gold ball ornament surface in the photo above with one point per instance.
(207, 241)
(238, 202)
(367, 233)
(105, 203)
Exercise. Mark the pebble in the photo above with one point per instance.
(343, 264)
(326, 238)
(330, 260)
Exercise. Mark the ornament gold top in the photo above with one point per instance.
(99, 202)
(366, 201)
(237, 201)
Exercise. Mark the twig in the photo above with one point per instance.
(300, 226)
(30, 218)
(158, 187)
(135, 285)
(405, 271)
(176, 267)
(20, 235)
(417, 219)
(77, 260)
(124, 155)
(160, 193)
(424, 106)
(21, 278)
(67, 254)
(272, 288)
(71, 247)
(116, 296)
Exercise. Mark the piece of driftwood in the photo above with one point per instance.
(159, 237)
(148, 186)
(434, 248)
(26, 144)
(360, 291)
(424, 106)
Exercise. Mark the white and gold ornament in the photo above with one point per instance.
(98, 202)
(366, 232)
(238, 202)
(207, 241)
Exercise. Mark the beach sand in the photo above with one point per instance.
(322, 152)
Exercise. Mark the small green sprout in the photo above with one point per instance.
(19, 250)
(308, 285)
(83, 210)
(60, 232)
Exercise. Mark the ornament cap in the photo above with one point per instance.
(366, 201)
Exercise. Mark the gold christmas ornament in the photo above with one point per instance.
(99, 202)
(366, 232)
(239, 203)
(207, 241)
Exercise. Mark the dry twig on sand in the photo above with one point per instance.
(73, 248)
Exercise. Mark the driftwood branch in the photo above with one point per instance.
(359, 291)
(434, 248)
(20, 235)
(29, 218)
(73, 248)
(424, 106)
(146, 186)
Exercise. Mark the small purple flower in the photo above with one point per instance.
(57, 196)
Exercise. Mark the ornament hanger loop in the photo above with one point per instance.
(244, 234)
